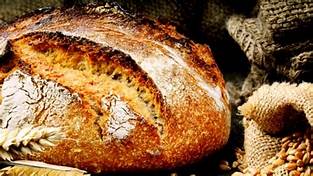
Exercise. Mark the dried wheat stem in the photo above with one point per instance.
(27, 139)
(28, 170)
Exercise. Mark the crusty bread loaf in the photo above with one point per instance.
(128, 93)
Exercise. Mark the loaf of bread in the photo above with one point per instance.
(100, 89)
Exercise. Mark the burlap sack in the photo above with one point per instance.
(268, 155)
(275, 107)
(299, 67)
(272, 114)
(287, 20)
(259, 146)
(278, 42)
(267, 54)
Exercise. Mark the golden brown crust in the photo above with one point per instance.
(171, 88)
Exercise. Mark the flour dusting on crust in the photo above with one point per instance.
(212, 91)
(121, 120)
(28, 99)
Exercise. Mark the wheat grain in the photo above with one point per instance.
(295, 156)
(224, 165)
(27, 140)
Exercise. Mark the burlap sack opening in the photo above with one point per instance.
(273, 113)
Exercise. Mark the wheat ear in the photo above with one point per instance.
(28, 170)
(27, 140)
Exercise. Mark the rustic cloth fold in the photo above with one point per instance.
(259, 146)
(274, 106)
(290, 18)
(292, 60)
(259, 50)
(271, 115)
(277, 41)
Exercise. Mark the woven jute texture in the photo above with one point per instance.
(275, 107)
(287, 18)
(299, 67)
(271, 114)
(277, 40)
(261, 51)
(259, 146)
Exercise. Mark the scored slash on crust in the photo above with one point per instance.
(27, 140)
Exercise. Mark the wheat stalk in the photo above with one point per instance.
(27, 140)
(28, 170)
